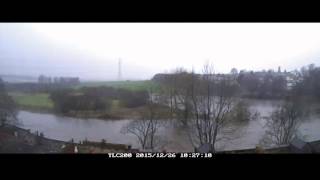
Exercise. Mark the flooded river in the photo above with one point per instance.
(66, 128)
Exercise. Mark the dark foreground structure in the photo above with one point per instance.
(18, 140)
(296, 147)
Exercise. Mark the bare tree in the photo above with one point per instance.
(176, 87)
(182, 95)
(145, 128)
(8, 111)
(211, 106)
(234, 72)
(283, 123)
(241, 112)
(168, 91)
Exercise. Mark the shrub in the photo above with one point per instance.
(69, 100)
(241, 112)
(133, 99)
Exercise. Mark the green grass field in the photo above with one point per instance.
(130, 85)
(37, 100)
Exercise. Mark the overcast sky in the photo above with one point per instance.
(92, 50)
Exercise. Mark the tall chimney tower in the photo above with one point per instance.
(119, 70)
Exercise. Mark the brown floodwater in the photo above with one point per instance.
(172, 137)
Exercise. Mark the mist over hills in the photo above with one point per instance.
(25, 53)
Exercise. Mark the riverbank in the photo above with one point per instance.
(41, 103)
(36, 109)
(119, 113)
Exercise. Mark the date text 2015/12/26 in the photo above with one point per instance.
(160, 155)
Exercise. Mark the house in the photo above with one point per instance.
(299, 146)
(160, 77)
(66, 80)
(205, 148)
(291, 79)
(216, 77)
(58, 80)
(69, 80)
(44, 79)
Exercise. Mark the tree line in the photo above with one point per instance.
(262, 85)
(308, 84)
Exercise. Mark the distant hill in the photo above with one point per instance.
(18, 78)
